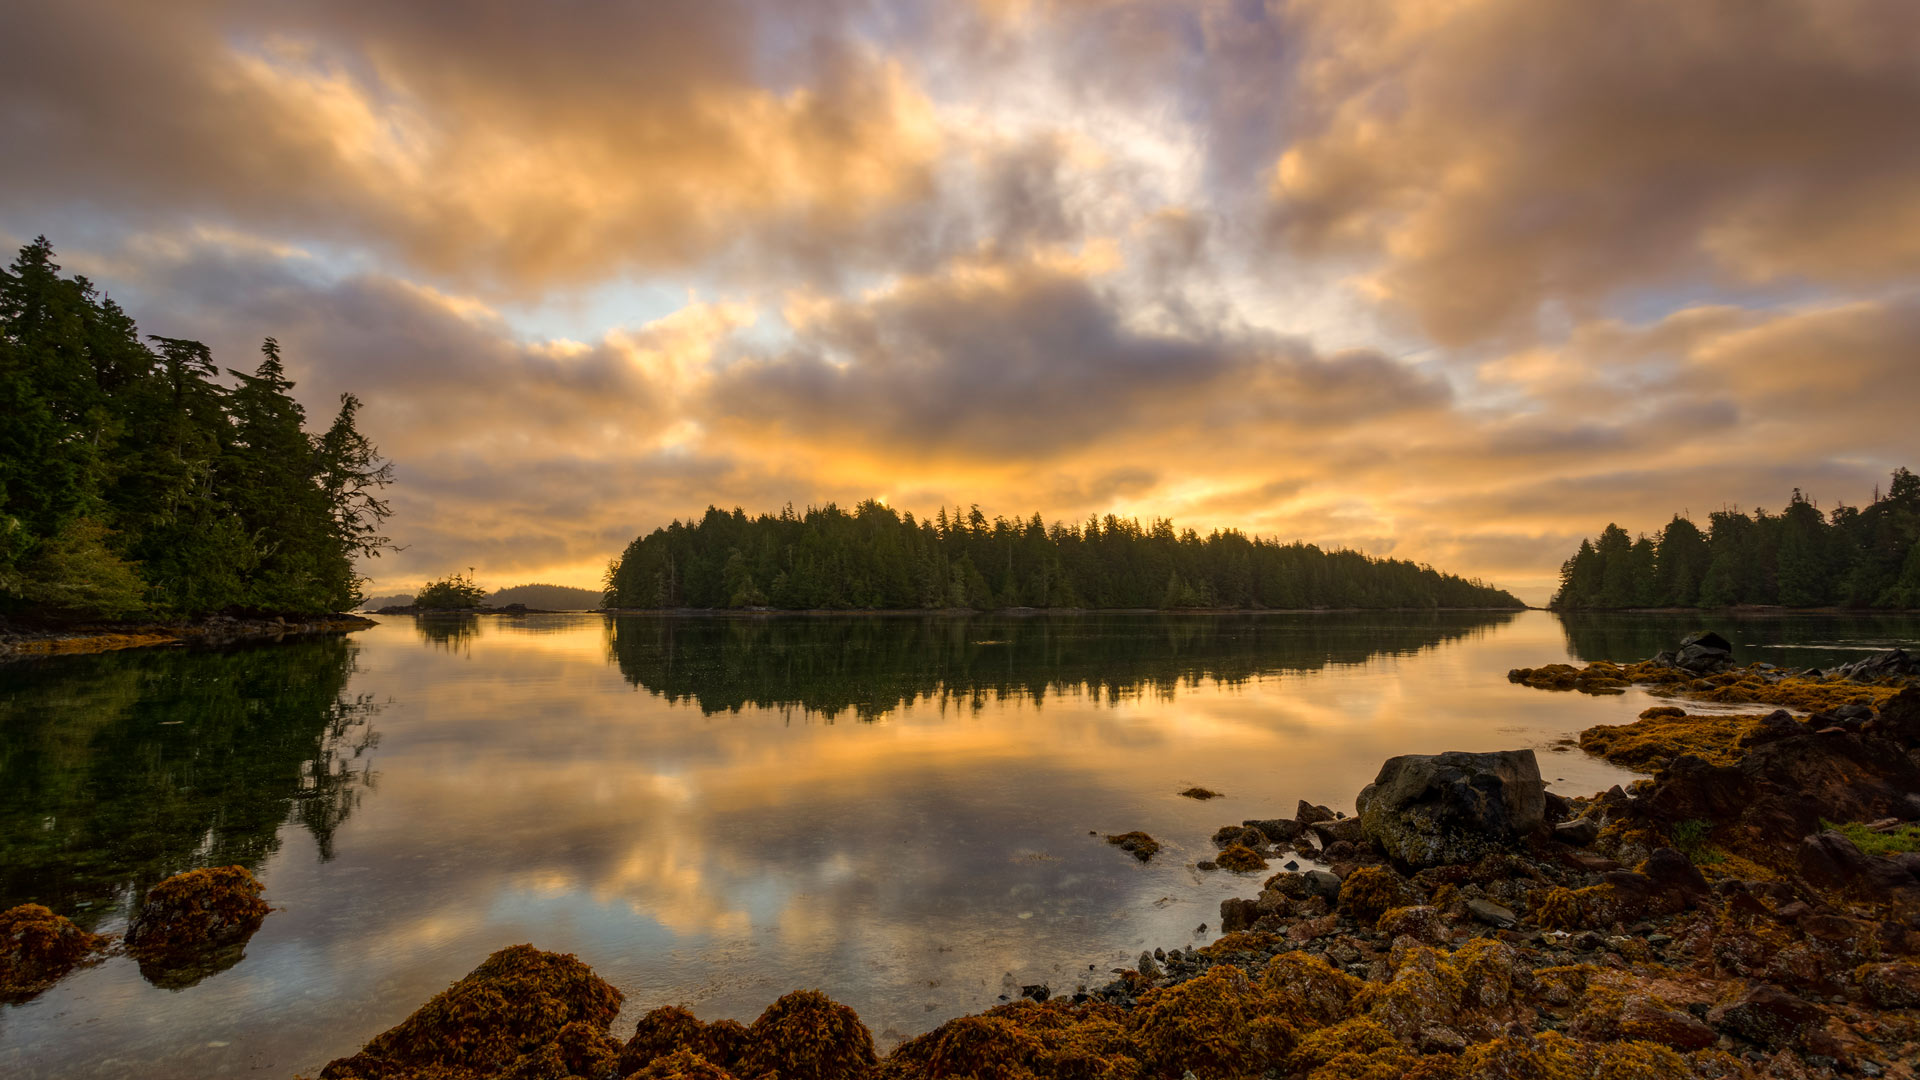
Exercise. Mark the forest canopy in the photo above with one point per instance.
(876, 558)
(134, 482)
(1848, 557)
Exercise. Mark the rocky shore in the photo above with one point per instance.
(20, 641)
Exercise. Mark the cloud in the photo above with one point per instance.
(480, 142)
(1493, 156)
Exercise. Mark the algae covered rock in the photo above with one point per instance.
(670, 1029)
(38, 948)
(210, 906)
(808, 1036)
(1138, 844)
(195, 924)
(521, 1003)
(1438, 809)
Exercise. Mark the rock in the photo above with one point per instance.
(1492, 914)
(1854, 711)
(1240, 859)
(515, 1003)
(195, 924)
(38, 948)
(1642, 1019)
(1322, 884)
(1314, 928)
(808, 1036)
(1672, 872)
(1309, 814)
(1238, 914)
(1036, 991)
(1769, 1016)
(1577, 833)
(1891, 986)
(1776, 725)
(1138, 844)
(1148, 966)
(1244, 835)
(1420, 922)
(1329, 833)
(1278, 830)
(1899, 718)
(1704, 653)
(1892, 664)
(1435, 809)
(1828, 860)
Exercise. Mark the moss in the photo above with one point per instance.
(1201, 793)
(514, 1004)
(807, 1036)
(38, 948)
(1371, 892)
(210, 906)
(1633, 1060)
(1215, 1025)
(1240, 859)
(1654, 740)
(1142, 846)
(1891, 842)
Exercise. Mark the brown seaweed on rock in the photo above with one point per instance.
(38, 948)
(195, 924)
(521, 1010)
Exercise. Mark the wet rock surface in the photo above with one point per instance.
(195, 924)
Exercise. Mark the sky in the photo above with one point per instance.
(1459, 281)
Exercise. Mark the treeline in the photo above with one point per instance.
(1849, 557)
(132, 482)
(874, 666)
(874, 558)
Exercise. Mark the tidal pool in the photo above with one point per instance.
(900, 811)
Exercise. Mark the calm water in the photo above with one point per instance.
(715, 811)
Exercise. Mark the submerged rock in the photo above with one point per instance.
(1436, 809)
(1138, 844)
(38, 948)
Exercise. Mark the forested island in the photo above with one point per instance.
(134, 484)
(876, 558)
(1850, 557)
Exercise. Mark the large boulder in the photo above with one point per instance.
(1440, 809)
(1704, 653)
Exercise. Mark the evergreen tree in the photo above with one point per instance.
(132, 481)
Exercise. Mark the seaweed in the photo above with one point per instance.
(806, 1035)
(1138, 843)
(38, 949)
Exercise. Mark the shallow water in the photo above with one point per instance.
(716, 811)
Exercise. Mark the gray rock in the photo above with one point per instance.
(1439, 809)
(1577, 833)
(1309, 814)
(1330, 833)
(1492, 914)
(1322, 883)
(1278, 830)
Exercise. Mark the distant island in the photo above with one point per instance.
(1850, 557)
(540, 596)
(875, 558)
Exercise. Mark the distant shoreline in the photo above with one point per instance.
(32, 642)
(1028, 611)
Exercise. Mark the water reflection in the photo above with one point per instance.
(121, 769)
(664, 798)
(1786, 639)
(873, 665)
